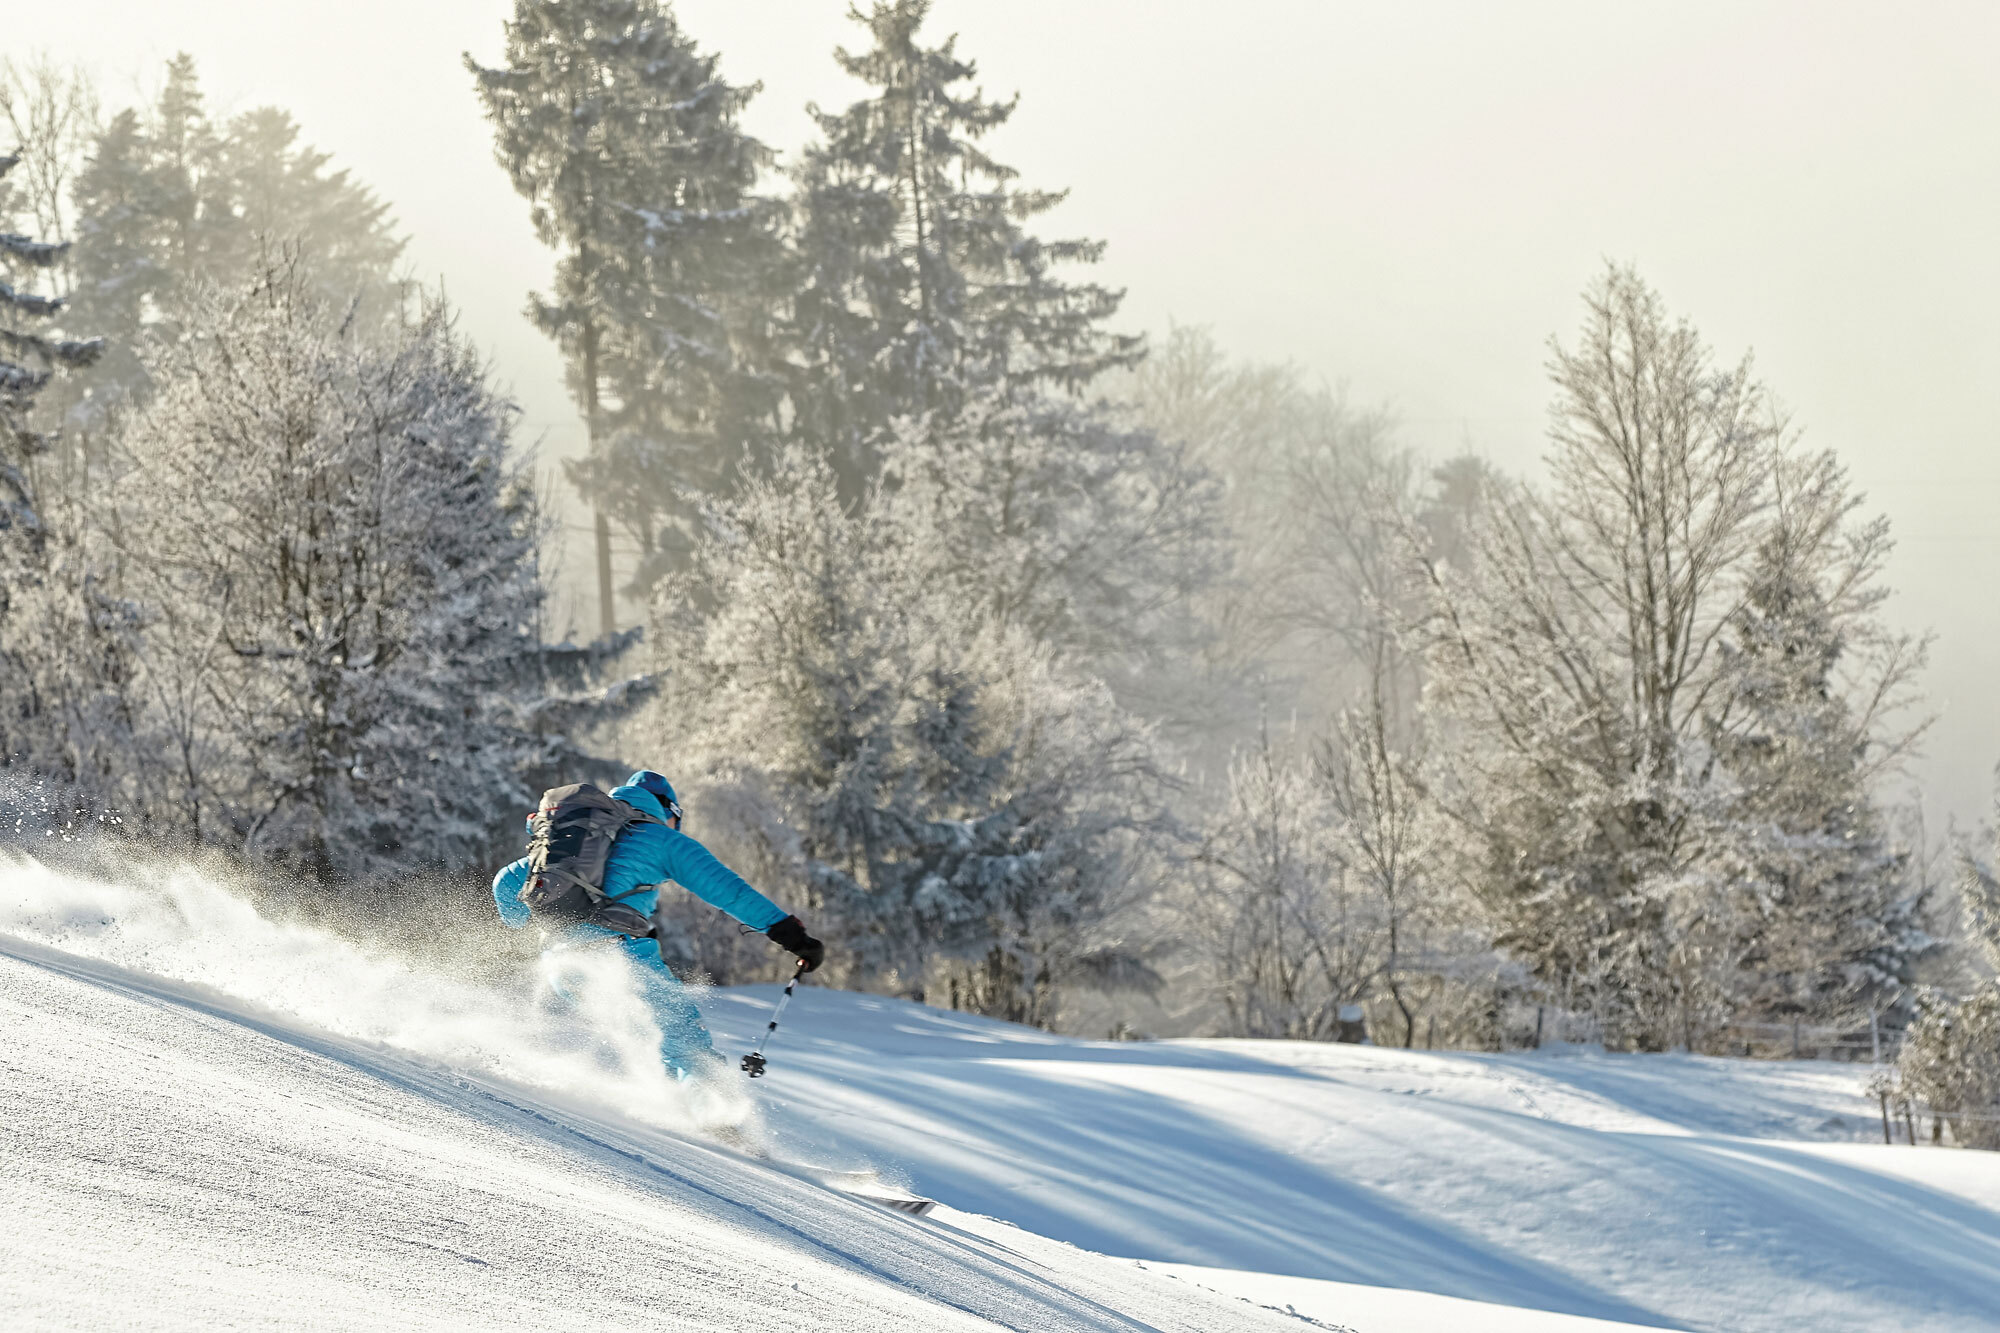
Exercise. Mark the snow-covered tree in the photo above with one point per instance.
(123, 206)
(958, 805)
(48, 676)
(1579, 651)
(1805, 679)
(1317, 503)
(1369, 766)
(944, 362)
(282, 191)
(344, 668)
(1321, 883)
(168, 200)
(50, 114)
(203, 199)
(1061, 524)
(920, 283)
(625, 140)
(1059, 865)
(1950, 1059)
(1318, 514)
(1285, 934)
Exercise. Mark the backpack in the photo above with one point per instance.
(569, 844)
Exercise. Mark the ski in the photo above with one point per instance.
(863, 1185)
(866, 1186)
(913, 1204)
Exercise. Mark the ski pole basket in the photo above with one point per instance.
(753, 1063)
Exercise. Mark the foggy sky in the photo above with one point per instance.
(1404, 199)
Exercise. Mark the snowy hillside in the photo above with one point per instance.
(1665, 1190)
(211, 1118)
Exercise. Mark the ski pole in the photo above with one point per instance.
(753, 1063)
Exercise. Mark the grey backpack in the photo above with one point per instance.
(569, 843)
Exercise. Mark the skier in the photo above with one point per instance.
(646, 855)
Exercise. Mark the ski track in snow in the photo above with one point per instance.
(176, 1164)
(214, 1120)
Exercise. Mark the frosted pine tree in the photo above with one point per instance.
(624, 138)
(285, 190)
(959, 807)
(169, 200)
(1052, 828)
(1056, 521)
(47, 677)
(787, 650)
(1950, 1059)
(936, 346)
(128, 270)
(1806, 693)
(920, 283)
(153, 215)
(31, 357)
(344, 670)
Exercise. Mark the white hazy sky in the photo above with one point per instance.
(1403, 198)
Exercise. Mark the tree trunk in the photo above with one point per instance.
(607, 613)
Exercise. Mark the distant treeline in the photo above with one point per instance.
(1067, 677)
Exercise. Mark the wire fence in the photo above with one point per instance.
(1905, 1117)
(1801, 1041)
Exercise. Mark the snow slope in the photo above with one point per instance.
(182, 1155)
(1665, 1189)
(214, 1119)
(1662, 1190)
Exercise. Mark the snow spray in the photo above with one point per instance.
(573, 1023)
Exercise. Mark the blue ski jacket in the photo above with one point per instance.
(650, 855)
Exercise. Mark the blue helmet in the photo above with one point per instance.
(647, 780)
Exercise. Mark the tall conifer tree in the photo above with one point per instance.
(920, 282)
(625, 140)
(29, 657)
(169, 199)
(1829, 924)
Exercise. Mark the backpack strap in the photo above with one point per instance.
(615, 915)
(630, 815)
(634, 815)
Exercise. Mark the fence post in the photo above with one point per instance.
(1885, 1119)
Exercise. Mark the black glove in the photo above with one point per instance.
(790, 934)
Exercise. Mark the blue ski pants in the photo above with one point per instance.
(686, 1049)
